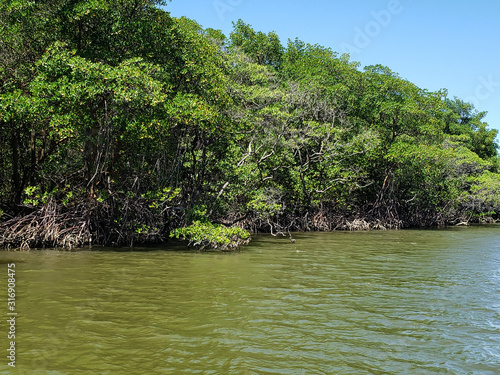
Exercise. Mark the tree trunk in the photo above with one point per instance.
(16, 176)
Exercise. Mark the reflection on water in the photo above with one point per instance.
(395, 302)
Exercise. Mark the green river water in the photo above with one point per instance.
(389, 302)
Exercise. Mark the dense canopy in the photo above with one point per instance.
(120, 124)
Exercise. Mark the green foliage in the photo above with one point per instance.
(264, 203)
(159, 200)
(264, 49)
(158, 127)
(35, 197)
(464, 124)
(484, 197)
(207, 235)
(203, 234)
(422, 175)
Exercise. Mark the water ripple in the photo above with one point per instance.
(407, 302)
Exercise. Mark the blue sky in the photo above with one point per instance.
(452, 44)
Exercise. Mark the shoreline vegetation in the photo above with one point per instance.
(121, 125)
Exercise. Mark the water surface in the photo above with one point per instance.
(392, 302)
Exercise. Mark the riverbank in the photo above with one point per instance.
(54, 225)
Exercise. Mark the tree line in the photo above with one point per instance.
(120, 125)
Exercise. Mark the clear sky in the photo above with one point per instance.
(452, 44)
